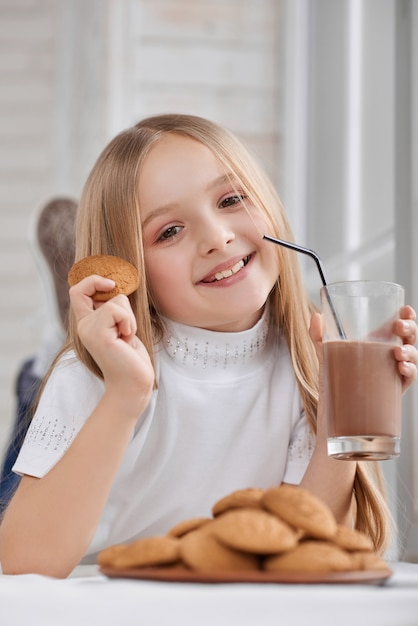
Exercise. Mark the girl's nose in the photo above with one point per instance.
(215, 235)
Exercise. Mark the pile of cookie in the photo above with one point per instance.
(283, 528)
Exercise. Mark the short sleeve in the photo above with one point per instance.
(301, 446)
(69, 397)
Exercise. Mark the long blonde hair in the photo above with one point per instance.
(108, 222)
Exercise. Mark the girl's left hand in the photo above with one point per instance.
(407, 354)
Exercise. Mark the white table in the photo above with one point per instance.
(88, 598)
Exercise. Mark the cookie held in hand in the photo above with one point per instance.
(122, 272)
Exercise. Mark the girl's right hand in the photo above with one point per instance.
(108, 331)
(69, 500)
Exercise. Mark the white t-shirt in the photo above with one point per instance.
(227, 415)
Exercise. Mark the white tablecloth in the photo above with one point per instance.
(88, 598)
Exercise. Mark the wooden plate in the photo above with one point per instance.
(185, 576)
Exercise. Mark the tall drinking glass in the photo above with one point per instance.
(363, 386)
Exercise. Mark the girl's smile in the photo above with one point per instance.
(207, 264)
(227, 270)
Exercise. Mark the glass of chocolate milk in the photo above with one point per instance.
(363, 387)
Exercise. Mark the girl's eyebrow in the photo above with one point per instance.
(157, 212)
(217, 182)
(220, 180)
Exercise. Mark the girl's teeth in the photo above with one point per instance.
(233, 270)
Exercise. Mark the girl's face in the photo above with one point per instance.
(206, 261)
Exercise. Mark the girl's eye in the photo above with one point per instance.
(169, 232)
(231, 201)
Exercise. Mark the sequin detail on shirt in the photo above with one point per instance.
(302, 447)
(236, 348)
(49, 435)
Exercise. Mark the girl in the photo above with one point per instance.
(202, 382)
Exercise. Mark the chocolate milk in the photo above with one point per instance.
(363, 389)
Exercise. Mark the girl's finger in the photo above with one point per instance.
(407, 353)
(315, 332)
(408, 370)
(82, 294)
(315, 329)
(408, 313)
(406, 326)
(407, 330)
(407, 357)
(123, 316)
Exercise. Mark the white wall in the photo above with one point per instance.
(29, 67)
(74, 73)
(351, 175)
(406, 229)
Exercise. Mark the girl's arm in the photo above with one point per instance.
(51, 521)
(330, 479)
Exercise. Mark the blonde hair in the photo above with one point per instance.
(108, 222)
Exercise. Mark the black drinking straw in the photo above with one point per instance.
(315, 257)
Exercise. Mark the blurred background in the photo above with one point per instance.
(324, 92)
